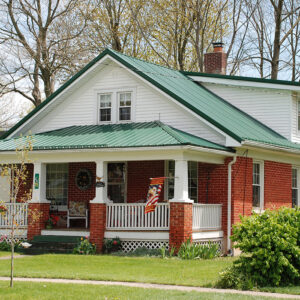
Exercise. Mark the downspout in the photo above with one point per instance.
(229, 204)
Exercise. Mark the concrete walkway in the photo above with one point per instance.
(155, 286)
(15, 256)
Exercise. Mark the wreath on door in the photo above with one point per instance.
(84, 179)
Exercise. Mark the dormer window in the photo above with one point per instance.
(105, 108)
(116, 106)
(124, 100)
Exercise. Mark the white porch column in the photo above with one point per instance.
(101, 192)
(39, 183)
(181, 186)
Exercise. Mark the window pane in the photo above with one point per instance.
(256, 196)
(171, 175)
(193, 180)
(105, 114)
(105, 100)
(125, 113)
(294, 197)
(57, 183)
(294, 178)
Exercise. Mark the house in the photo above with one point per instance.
(228, 146)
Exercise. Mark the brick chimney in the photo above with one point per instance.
(216, 62)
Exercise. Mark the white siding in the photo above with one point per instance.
(269, 106)
(80, 107)
(295, 131)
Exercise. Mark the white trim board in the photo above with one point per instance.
(66, 232)
(207, 235)
(235, 82)
(137, 235)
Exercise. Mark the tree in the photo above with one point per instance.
(17, 175)
(38, 41)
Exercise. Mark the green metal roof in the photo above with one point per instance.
(203, 102)
(148, 134)
(242, 78)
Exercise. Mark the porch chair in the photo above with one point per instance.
(77, 210)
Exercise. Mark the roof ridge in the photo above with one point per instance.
(146, 61)
(170, 131)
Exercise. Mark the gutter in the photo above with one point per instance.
(229, 204)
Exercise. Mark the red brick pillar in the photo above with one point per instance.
(38, 214)
(97, 224)
(181, 220)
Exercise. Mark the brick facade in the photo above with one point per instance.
(26, 187)
(38, 214)
(97, 224)
(278, 184)
(138, 178)
(74, 193)
(180, 223)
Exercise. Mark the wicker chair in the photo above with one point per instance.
(77, 210)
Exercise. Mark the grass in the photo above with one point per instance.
(46, 291)
(6, 253)
(105, 267)
(113, 268)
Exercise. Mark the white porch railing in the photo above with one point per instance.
(207, 216)
(131, 216)
(21, 214)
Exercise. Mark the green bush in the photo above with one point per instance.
(5, 245)
(111, 245)
(85, 247)
(189, 250)
(270, 245)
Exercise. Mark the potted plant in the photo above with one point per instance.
(52, 221)
(3, 209)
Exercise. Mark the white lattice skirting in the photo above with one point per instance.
(210, 242)
(128, 246)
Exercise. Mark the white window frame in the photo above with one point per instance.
(298, 183)
(126, 179)
(99, 108)
(261, 184)
(115, 104)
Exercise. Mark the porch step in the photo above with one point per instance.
(52, 244)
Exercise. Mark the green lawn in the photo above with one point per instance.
(43, 291)
(140, 269)
(105, 267)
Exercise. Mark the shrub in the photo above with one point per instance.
(189, 250)
(5, 244)
(85, 247)
(270, 245)
(111, 245)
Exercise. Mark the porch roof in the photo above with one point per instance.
(146, 134)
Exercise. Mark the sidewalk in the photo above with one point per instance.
(155, 286)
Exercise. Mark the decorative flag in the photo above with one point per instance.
(153, 193)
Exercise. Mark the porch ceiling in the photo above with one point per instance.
(148, 134)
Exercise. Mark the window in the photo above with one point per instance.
(192, 180)
(257, 197)
(116, 106)
(124, 106)
(105, 108)
(116, 182)
(57, 183)
(295, 187)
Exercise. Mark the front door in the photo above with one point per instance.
(116, 182)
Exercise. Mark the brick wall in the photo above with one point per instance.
(241, 188)
(138, 178)
(278, 184)
(97, 224)
(74, 193)
(180, 223)
(212, 186)
(38, 214)
(26, 186)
